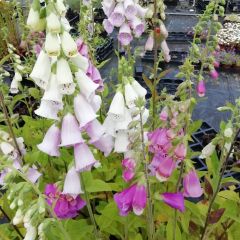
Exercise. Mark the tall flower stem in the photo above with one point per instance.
(224, 166)
(155, 66)
(9, 124)
(97, 237)
(150, 221)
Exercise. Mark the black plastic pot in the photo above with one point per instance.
(179, 37)
(105, 50)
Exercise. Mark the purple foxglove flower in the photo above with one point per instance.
(51, 192)
(124, 200)
(138, 26)
(94, 130)
(95, 75)
(48, 109)
(116, 111)
(180, 151)
(108, 6)
(33, 174)
(108, 26)
(82, 47)
(129, 163)
(72, 184)
(37, 49)
(70, 132)
(125, 35)
(165, 168)
(174, 200)
(149, 43)
(163, 115)
(130, 9)
(191, 185)
(128, 175)
(214, 74)
(83, 110)
(51, 141)
(139, 199)
(3, 173)
(84, 158)
(104, 144)
(201, 89)
(117, 16)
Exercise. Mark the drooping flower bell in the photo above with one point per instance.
(201, 89)
(117, 108)
(108, 7)
(34, 21)
(68, 45)
(214, 74)
(138, 26)
(164, 115)
(129, 165)
(51, 141)
(70, 132)
(104, 144)
(53, 23)
(141, 91)
(121, 142)
(84, 158)
(108, 26)
(52, 45)
(80, 61)
(191, 185)
(125, 35)
(180, 151)
(130, 9)
(94, 130)
(149, 43)
(130, 95)
(139, 199)
(117, 16)
(174, 200)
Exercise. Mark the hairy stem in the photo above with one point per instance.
(218, 185)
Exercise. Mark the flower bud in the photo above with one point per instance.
(228, 132)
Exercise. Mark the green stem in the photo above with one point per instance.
(150, 221)
(89, 208)
(218, 184)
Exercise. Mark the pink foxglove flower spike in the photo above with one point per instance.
(125, 35)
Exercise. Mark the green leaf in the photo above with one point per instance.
(170, 230)
(34, 92)
(148, 82)
(194, 126)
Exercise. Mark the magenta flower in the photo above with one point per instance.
(128, 175)
(129, 166)
(201, 89)
(70, 132)
(133, 198)
(82, 47)
(216, 64)
(139, 199)
(174, 200)
(180, 151)
(149, 43)
(129, 163)
(51, 141)
(191, 185)
(214, 74)
(65, 205)
(125, 35)
(165, 168)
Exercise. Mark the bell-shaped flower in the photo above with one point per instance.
(130, 95)
(208, 150)
(201, 89)
(167, 57)
(191, 185)
(83, 110)
(138, 26)
(6, 148)
(108, 6)
(64, 77)
(52, 92)
(165, 48)
(95, 75)
(174, 200)
(108, 26)
(180, 151)
(216, 64)
(14, 87)
(125, 35)
(141, 12)
(128, 175)
(214, 74)
(61, 8)
(82, 47)
(104, 144)
(31, 233)
(117, 16)
(130, 9)
(68, 45)
(121, 142)
(33, 174)
(65, 24)
(72, 185)
(34, 21)
(139, 199)
(124, 200)
(141, 91)
(84, 158)
(53, 23)
(80, 61)
(52, 45)
(96, 102)
(70, 132)
(94, 130)
(86, 85)
(117, 108)
(163, 30)
(42, 70)
(110, 126)
(165, 168)
(123, 125)
(51, 141)
(48, 109)
(129, 163)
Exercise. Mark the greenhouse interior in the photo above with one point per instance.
(120, 119)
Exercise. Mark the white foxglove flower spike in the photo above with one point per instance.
(41, 70)
(61, 8)
(52, 45)
(117, 108)
(123, 125)
(141, 91)
(130, 95)
(80, 61)
(64, 77)
(53, 23)
(86, 85)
